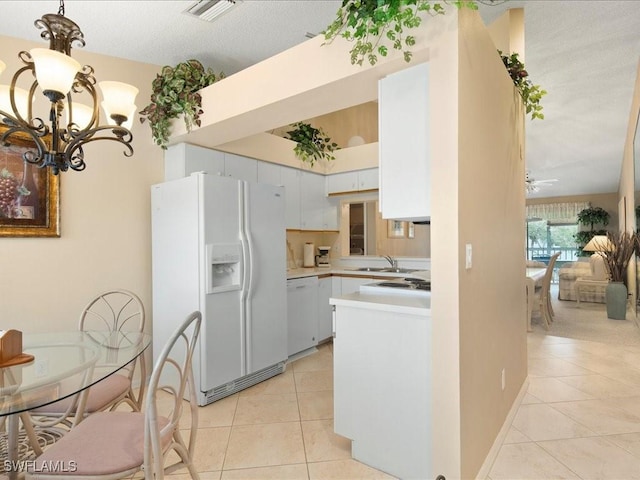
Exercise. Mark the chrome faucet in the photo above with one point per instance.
(391, 260)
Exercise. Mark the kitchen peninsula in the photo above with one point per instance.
(382, 380)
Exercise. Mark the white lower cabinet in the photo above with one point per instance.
(382, 387)
(302, 314)
(325, 292)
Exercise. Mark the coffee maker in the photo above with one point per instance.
(322, 259)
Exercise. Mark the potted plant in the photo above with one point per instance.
(312, 144)
(174, 93)
(591, 217)
(617, 252)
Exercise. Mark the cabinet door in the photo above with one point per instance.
(239, 167)
(368, 179)
(331, 214)
(182, 159)
(325, 329)
(291, 181)
(312, 201)
(403, 116)
(270, 173)
(342, 182)
(302, 314)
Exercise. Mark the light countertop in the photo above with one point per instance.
(317, 271)
(418, 305)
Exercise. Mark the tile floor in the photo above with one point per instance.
(279, 429)
(580, 419)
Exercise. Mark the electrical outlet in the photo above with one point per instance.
(504, 380)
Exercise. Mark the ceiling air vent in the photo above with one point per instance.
(209, 10)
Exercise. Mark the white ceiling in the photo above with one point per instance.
(584, 53)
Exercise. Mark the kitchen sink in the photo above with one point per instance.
(371, 269)
(398, 270)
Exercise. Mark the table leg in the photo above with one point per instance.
(12, 445)
(531, 288)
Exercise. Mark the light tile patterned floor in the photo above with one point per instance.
(580, 419)
(279, 429)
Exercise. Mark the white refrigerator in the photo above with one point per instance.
(219, 246)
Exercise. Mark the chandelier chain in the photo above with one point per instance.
(61, 8)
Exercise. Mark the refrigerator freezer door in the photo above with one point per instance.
(222, 346)
(176, 263)
(266, 334)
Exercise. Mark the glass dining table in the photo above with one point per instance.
(63, 364)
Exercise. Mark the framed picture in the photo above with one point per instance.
(29, 196)
(411, 230)
(395, 229)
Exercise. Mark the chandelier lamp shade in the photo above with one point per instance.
(73, 118)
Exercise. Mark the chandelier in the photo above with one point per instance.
(68, 87)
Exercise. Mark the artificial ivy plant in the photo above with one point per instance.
(374, 26)
(530, 93)
(312, 144)
(175, 93)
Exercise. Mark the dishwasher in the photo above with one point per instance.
(302, 314)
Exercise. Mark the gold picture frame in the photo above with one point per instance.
(395, 229)
(29, 196)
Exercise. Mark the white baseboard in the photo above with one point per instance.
(483, 473)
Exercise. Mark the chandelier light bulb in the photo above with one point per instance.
(118, 99)
(81, 115)
(21, 99)
(127, 123)
(55, 71)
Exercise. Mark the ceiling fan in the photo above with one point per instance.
(532, 185)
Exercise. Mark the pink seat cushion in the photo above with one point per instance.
(104, 443)
(101, 394)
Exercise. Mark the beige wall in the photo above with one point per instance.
(105, 220)
(492, 311)
(480, 312)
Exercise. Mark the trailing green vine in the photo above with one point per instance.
(377, 25)
(530, 93)
(175, 93)
(312, 144)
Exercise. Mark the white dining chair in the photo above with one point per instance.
(117, 444)
(111, 311)
(542, 295)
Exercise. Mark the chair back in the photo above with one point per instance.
(171, 382)
(119, 310)
(114, 310)
(546, 280)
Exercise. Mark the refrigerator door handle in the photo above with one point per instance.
(246, 276)
(247, 290)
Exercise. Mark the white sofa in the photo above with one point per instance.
(568, 275)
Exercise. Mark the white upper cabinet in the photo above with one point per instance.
(355, 181)
(405, 167)
(182, 159)
(312, 200)
(270, 173)
(291, 180)
(242, 168)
